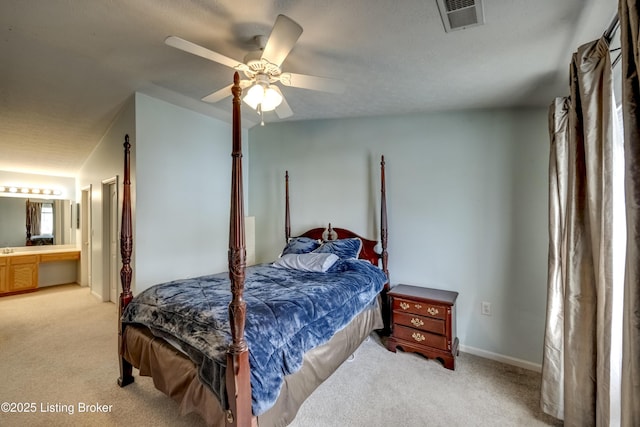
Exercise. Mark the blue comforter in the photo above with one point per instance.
(288, 313)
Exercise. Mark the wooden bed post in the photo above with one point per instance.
(287, 218)
(386, 309)
(237, 375)
(383, 222)
(126, 247)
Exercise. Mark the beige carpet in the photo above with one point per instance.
(58, 359)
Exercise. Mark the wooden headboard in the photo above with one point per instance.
(368, 246)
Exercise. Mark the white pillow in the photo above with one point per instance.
(316, 262)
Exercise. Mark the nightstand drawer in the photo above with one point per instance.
(418, 307)
(420, 337)
(419, 322)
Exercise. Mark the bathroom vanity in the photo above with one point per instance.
(19, 271)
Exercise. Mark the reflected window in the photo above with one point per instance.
(46, 220)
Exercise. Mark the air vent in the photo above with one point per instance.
(460, 14)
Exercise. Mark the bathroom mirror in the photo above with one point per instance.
(55, 222)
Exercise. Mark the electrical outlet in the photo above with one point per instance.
(486, 308)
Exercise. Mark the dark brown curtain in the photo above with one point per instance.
(629, 33)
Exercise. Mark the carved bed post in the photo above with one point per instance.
(237, 374)
(126, 247)
(287, 218)
(383, 221)
(386, 309)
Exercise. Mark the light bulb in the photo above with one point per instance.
(254, 96)
(272, 98)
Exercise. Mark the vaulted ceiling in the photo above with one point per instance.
(67, 67)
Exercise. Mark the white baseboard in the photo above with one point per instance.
(501, 358)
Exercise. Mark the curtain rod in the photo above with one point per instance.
(612, 28)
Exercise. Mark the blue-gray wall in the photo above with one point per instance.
(467, 206)
(181, 167)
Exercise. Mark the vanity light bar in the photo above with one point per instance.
(26, 190)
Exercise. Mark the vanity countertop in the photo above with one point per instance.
(39, 250)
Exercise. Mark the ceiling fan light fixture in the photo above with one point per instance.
(272, 98)
(254, 96)
(265, 96)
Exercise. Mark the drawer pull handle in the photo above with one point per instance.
(432, 311)
(418, 337)
(416, 322)
(418, 306)
(404, 305)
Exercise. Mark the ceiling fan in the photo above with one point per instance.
(262, 69)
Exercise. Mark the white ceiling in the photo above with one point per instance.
(67, 67)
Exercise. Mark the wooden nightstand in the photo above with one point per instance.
(423, 320)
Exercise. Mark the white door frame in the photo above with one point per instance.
(85, 237)
(110, 227)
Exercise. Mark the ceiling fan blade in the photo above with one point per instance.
(195, 49)
(303, 81)
(284, 35)
(218, 95)
(221, 94)
(283, 110)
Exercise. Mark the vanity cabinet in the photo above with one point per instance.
(60, 256)
(19, 272)
(23, 273)
(4, 280)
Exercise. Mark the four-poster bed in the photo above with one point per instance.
(251, 356)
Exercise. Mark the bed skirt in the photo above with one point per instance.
(175, 374)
